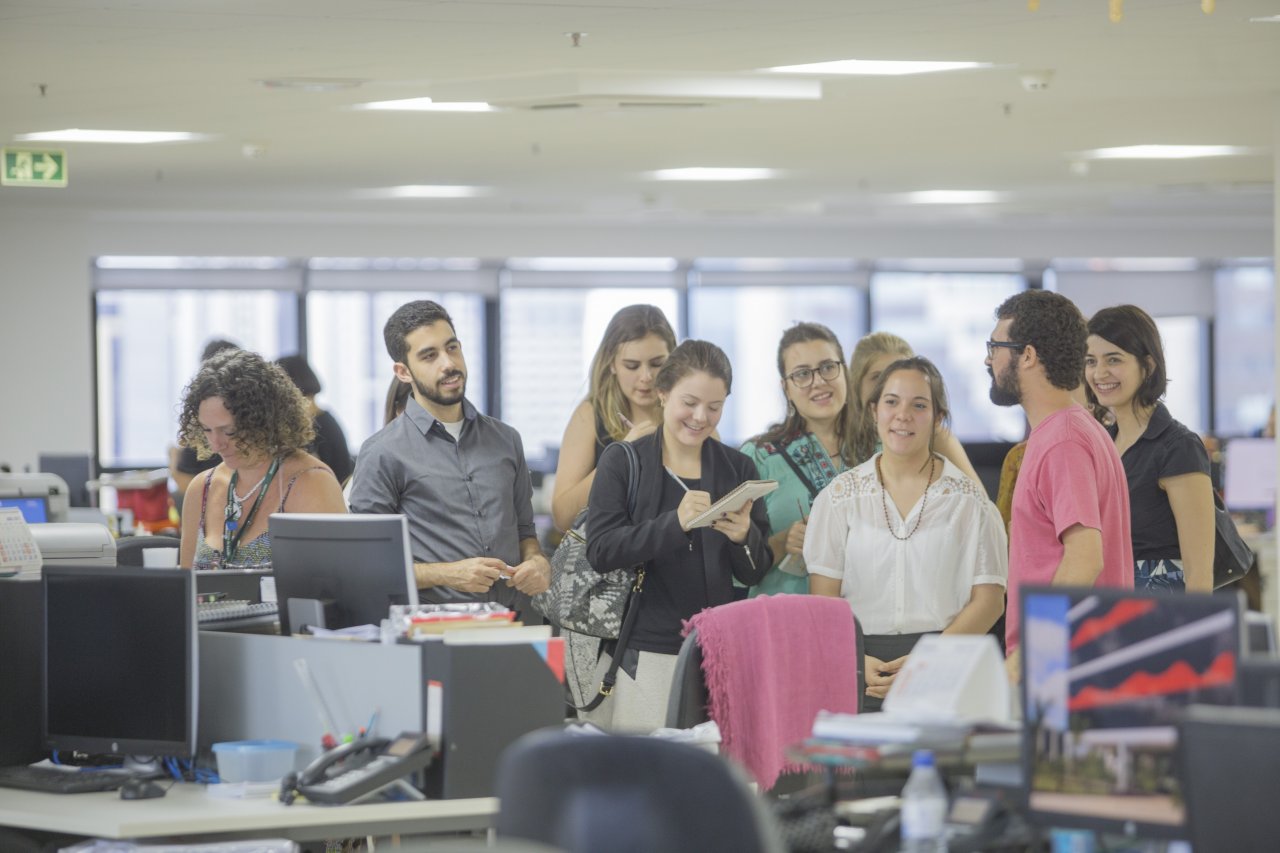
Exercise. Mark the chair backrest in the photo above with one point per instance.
(129, 548)
(587, 793)
(687, 705)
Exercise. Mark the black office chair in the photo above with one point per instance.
(129, 548)
(625, 794)
(687, 705)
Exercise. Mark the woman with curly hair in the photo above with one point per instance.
(249, 412)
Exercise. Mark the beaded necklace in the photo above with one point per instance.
(884, 500)
(233, 530)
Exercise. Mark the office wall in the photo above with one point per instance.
(46, 384)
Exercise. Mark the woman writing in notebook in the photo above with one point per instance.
(248, 411)
(913, 544)
(803, 452)
(682, 471)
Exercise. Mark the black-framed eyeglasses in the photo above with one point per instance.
(802, 377)
(992, 346)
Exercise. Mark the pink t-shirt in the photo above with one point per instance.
(1071, 474)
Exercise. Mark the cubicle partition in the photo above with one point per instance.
(478, 698)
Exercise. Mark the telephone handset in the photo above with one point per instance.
(362, 767)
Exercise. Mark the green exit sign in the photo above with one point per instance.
(34, 167)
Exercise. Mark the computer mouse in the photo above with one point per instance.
(141, 789)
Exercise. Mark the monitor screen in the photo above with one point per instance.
(1105, 675)
(34, 510)
(1230, 760)
(356, 566)
(120, 661)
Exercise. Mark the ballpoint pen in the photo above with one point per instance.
(785, 564)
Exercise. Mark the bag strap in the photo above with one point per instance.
(633, 601)
(808, 484)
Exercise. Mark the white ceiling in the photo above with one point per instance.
(1167, 74)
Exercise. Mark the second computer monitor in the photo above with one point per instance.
(355, 566)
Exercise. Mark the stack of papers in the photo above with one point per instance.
(883, 728)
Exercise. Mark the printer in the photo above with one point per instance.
(72, 543)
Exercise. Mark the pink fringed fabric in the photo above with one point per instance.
(770, 664)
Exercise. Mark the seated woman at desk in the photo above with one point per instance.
(913, 544)
(248, 411)
(682, 470)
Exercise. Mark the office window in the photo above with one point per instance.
(345, 348)
(747, 322)
(1186, 359)
(948, 317)
(148, 348)
(1243, 349)
(549, 336)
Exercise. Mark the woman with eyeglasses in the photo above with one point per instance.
(805, 450)
(871, 356)
(906, 538)
(1171, 509)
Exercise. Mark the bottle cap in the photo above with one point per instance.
(922, 758)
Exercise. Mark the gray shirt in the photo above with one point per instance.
(466, 498)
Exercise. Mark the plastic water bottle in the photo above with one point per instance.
(924, 807)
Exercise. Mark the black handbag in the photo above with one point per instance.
(1232, 556)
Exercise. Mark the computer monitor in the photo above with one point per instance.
(355, 566)
(1105, 675)
(30, 492)
(120, 670)
(76, 469)
(1249, 474)
(1259, 634)
(1230, 765)
(34, 510)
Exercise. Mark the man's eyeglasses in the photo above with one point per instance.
(802, 377)
(992, 346)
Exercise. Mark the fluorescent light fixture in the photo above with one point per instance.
(428, 105)
(710, 173)
(877, 67)
(593, 264)
(176, 262)
(953, 197)
(427, 191)
(1270, 19)
(122, 137)
(1164, 152)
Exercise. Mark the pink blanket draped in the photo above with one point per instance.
(770, 664)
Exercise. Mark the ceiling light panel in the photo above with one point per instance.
(953, 197)
(713, 173)
(427, 191)
(877, 67)
(116, 137)
(1165, 152)
(428, 105)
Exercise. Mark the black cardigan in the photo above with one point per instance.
(614, 540)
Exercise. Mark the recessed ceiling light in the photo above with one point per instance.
(708, 173)
(428, 105)
(1164, 152)
(953, 197)
(123, 137)
(426, 191)
(311, 84)
(878, 67)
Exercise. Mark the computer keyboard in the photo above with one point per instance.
(222, 611)
(52, 780)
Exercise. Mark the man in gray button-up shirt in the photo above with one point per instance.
(458, 475)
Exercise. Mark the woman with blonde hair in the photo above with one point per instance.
(621, 405)
(871, 356)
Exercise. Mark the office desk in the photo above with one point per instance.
(187, 812)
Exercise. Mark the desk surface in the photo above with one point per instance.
(189, 812)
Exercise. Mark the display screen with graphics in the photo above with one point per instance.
(1105, 675)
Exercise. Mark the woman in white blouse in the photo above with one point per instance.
(914, 545)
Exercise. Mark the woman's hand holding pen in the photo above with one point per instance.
(636, 430)
(695, 501)
(735, 524)
(795, 538)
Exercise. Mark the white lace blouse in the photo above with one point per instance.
(920, 584)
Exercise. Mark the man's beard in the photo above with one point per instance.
(438, 398)
(1006, 389)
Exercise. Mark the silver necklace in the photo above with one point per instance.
(237, 502)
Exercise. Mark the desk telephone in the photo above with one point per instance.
(361, 768)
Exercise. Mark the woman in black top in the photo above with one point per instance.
(1170, 495)
(682, 471)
